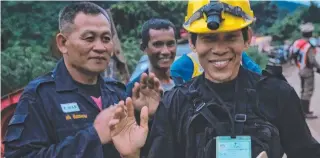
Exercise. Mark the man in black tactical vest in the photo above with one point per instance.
(227, 111)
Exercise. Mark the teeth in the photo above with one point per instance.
(221, 64)
(165, 59)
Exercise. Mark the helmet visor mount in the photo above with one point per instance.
(213, 12)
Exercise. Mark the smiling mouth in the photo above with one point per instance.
(98, 58)
(220, 64)
(167, 59)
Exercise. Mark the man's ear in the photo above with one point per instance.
(143, 46)
(247, 43)
(61, 41)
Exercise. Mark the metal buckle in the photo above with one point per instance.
(198, 108)
(240, 117)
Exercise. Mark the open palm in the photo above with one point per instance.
(147, 93)
(127, 136)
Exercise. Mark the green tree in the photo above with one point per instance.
(266, 14)
(27, 29)
(288, 28)
(20, 64)
(129, 16)
(260, 58)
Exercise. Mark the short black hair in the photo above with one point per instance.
(244, 34)
(156, 24)
(68, 14)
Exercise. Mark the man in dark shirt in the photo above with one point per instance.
(159, 43)
(66, 112)
(227, 104)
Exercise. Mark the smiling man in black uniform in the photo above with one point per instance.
(57, 115)
(228, 104)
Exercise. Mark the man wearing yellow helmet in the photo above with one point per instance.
(227, 111)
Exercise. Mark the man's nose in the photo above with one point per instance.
(219, 49)
(100, 47)
(165, 50)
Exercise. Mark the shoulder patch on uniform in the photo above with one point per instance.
(34, 84)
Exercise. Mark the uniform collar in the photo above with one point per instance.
(63, 79)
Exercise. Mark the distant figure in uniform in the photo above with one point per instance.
(304, 52)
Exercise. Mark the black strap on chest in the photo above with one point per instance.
(252, 94)
(200, 107)
(241, 117)
(237, 119)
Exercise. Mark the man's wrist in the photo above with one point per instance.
(98, 135)
(134, 155)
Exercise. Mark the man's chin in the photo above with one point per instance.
(96, 70)
(164, 67)
(220, 77)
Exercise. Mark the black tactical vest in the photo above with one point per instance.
(244, 119)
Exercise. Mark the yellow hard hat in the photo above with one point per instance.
(205, 16)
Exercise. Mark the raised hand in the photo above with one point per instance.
(101, 124)
(147, 93)
(127, 136)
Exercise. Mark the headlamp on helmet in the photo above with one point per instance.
(213, 12)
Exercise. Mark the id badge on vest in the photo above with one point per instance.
(227, 147)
